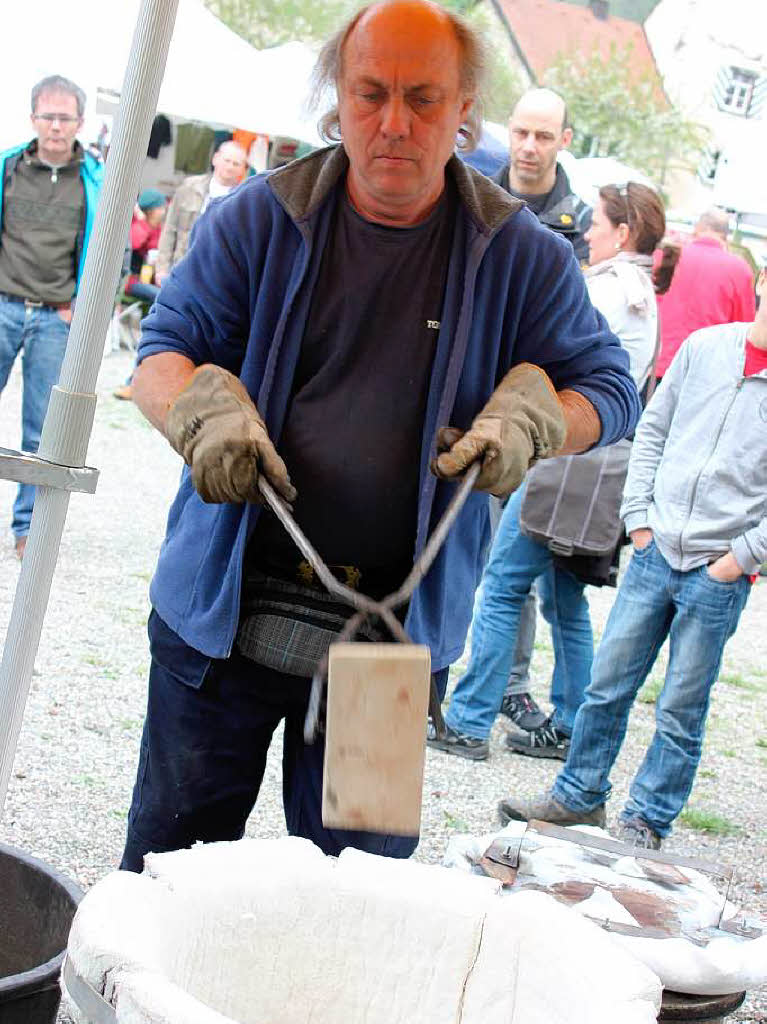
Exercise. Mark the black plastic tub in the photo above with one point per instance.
(37, 905)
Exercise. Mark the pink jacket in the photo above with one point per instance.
(710, 286)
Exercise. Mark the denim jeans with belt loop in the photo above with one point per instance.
(39, 333)
(208, 727)
(515, 563)
(698, 614)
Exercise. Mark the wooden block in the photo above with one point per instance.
(378, 696)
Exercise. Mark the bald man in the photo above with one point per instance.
(538, 130)
(230, 164)
(710, 286)
(329, 319)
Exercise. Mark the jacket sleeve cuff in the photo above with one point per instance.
(636, 521)
(744, 556)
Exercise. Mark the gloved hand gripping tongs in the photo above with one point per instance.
(365, 607)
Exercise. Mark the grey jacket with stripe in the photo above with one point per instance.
(698, 471)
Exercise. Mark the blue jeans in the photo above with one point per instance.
(515, 562)
(698, 614)
(208, 727)
(41, 336)
(519, 676)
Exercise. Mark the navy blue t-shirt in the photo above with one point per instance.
(352, 437)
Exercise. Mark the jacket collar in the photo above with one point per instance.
(303, 186)
(200, 183)
(32, 156)
(561, 190)
(712, 243)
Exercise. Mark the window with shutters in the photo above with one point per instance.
(739, 91)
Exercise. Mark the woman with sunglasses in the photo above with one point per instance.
(628, 225)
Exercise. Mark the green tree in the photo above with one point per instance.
(617, 112)
(504, 86)
(271, 22)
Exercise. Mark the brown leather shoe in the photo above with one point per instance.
(20, 546)
(546, 808)
(125, 393)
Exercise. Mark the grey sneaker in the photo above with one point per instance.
(547, 741)
(458, 743)
(523, 711)
(546, 808)
(637, 833)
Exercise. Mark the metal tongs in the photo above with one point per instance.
(365, 607)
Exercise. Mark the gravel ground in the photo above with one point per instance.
(76, 759)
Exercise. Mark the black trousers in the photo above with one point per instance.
(208, 727)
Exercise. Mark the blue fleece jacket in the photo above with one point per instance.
(91, 175)
(240, 299)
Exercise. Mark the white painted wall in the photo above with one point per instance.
(692, 40)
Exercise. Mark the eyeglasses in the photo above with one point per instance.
(61, 118)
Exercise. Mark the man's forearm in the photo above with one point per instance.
(584, 428)
(157, 381)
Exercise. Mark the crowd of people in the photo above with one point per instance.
(655, 297)
(359, 327)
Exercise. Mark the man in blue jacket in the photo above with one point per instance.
(341, 310)
(48, 193)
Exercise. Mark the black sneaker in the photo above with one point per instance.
(457, 743)
(547, 741)
(522, 709)
(637, 833)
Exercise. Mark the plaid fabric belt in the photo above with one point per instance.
(289, 626)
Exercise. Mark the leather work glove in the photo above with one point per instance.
(217, 430)
(522, 422)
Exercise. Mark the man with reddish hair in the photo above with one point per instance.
(342, 309)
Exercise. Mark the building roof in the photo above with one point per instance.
(543, 30)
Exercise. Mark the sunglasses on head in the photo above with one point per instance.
(623, 192)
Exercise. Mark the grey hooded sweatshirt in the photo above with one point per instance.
(698, 471)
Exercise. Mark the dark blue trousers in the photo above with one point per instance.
(208, 727)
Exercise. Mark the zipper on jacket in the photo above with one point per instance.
(738, 386)
(280, 331)
(54, 175)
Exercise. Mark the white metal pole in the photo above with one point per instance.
(69, 420)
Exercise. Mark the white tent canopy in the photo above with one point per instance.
(211, 74)
(738, 185)
(588, 174)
